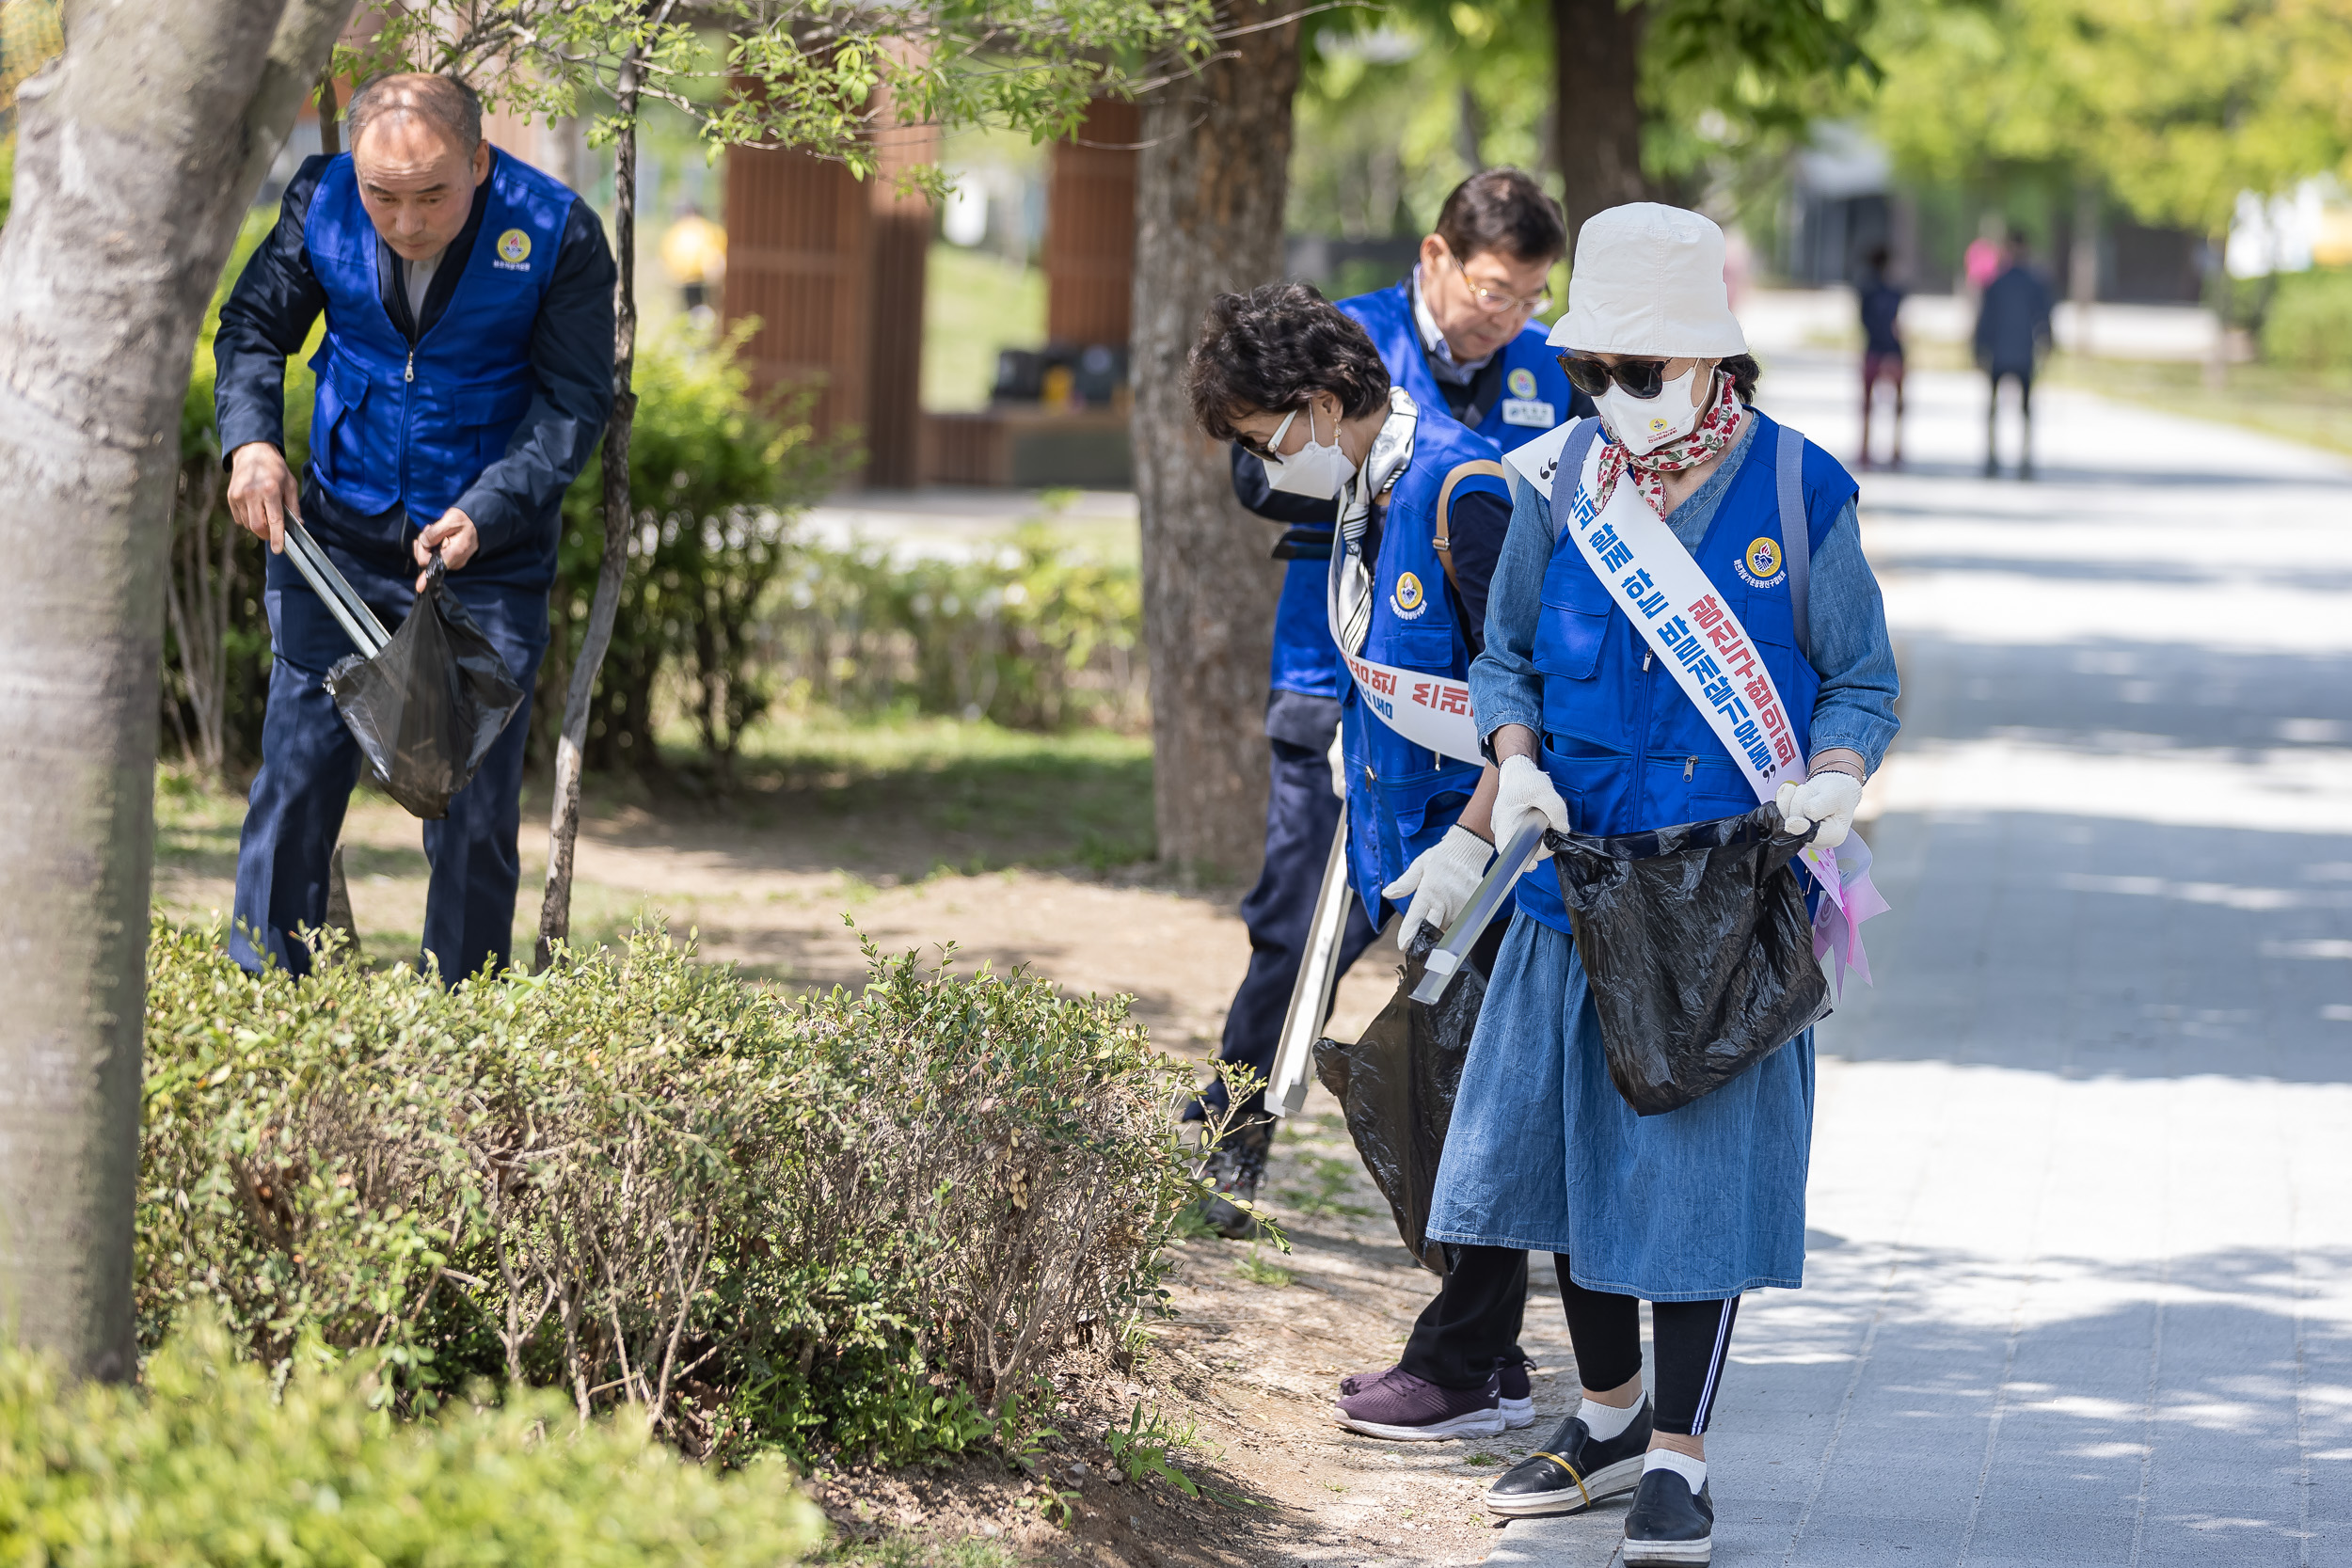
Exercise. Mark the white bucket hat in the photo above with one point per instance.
(1649, 280)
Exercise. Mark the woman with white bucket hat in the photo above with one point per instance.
(1701, 628)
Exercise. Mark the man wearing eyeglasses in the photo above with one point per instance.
(1460, 334)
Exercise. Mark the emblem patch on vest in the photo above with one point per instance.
(1522, 382)
(513, 251)
(1760, 566)
(1407, 598)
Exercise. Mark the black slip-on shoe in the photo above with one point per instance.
(1668, 1522)
(1576, 1471)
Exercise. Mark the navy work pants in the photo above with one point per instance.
(1301, 814)
(309, 764)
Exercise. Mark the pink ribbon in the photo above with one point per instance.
(1849, 899)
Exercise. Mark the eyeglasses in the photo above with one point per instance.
(1265, 452)
(1641, 378)
(1495, 302)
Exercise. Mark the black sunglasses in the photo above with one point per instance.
(1641, 378)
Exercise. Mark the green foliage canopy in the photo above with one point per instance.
(2174, 105)
(833, 78)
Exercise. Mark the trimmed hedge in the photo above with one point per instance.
(850, 1225)
(210, 1464)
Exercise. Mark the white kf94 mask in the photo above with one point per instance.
(1318, 470)
(1642, 425)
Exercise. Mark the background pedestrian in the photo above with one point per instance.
(2012, 335)
(1882, 351)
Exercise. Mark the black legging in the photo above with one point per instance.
(1692, 1336)
(1475, 1322)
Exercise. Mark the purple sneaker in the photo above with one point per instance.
(1404, 1409)
(1516, 1391)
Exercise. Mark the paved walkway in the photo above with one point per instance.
(2080, 1277)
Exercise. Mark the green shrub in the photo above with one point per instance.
(1027, 633)
(852, 1224)
(715, 474)
(208, 1463)
(2309, 325)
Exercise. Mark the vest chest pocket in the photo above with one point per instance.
(488, 416)
(335, 424)
(1575, 620)
(1429, 648)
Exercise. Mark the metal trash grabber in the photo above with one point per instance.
(1445, 958)
(1318, 975)
(342, 600)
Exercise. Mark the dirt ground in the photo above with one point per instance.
(1259, 1339)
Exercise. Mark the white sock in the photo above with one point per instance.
(1691, 1471)
(1605, 1421)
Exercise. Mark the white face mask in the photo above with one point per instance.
(1642, 425)
(1318, 471)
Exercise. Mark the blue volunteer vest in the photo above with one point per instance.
(1535, 390)
(1535, 398)
(1626, 748)
(413, 427)
(1402, 797)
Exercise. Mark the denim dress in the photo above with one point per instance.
(1703, 1202)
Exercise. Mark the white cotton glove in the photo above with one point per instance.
(1338, 759)
(1826, 800)
(1526, 793)
(1442, 879)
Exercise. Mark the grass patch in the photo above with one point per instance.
(974, 304)
(2312, 406)
(983, 796)
(1333, 1180)
(915, 1549)
(1258, 1271)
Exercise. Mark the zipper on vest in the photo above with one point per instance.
(410, 375)
(1688, 765)
(1645, 653)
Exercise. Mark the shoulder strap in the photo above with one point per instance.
(1572, 465)
(1441, 532)
(1796, 536)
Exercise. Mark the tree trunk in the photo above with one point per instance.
(1596, 73)
(1209, 198)
(137, 151)
(2082, 281)
(330, 132)
(555, 904)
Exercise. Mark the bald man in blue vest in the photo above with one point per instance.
(464, 377)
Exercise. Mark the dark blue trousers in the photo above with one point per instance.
(1301, 814)
(309, 764)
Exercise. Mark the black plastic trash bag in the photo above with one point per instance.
(1396, 1086)
(427, 707)
(1699, 952)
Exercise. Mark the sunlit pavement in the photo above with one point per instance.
(2079, 1287)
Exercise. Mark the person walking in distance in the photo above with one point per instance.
(2012, 335)
(1882, 352)
(1607, 725)
(464, 376)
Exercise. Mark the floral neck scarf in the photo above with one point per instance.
(1711, 437)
